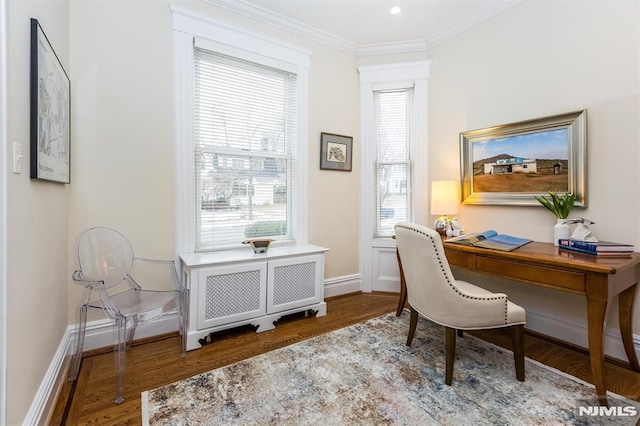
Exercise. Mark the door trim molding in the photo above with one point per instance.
(3, 213)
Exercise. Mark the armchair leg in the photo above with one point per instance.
(132, 324)
(402, 300)
(412, 326)
(130, 333)
(120, 346)
(517, 333)
(450, 338)
(77, 356)
(183, 310)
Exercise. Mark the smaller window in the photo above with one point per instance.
(393, 161)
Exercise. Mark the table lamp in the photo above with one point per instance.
(444, 202)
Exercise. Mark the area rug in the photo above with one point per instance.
(366, 375)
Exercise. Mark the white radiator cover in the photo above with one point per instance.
(234, 288)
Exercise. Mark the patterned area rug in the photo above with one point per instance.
(365, 374)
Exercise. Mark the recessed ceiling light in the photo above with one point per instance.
(395, 10)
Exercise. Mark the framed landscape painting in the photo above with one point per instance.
(509, 164)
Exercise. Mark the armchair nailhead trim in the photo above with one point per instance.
(451, 284)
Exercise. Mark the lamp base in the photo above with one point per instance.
(442, 224)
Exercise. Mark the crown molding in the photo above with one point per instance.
(260, 14)
(385, 48)
(410, 71)
(263, 15)
(470, 20)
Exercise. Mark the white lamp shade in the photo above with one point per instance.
(445, 197)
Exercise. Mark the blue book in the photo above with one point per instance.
(600, 246)
(596, 253)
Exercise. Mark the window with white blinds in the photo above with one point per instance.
(391, 133)
(244, 145)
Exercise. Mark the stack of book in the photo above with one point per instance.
(600, 248)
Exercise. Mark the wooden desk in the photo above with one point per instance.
(600, 280)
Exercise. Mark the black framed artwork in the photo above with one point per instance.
(50, 111)
(335, 152)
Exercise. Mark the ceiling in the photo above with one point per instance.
(367, 26)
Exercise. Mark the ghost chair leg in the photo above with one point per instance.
(77, 356)
(120, 351)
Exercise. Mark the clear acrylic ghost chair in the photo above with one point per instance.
(106, 260)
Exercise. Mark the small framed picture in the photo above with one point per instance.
(335, 152)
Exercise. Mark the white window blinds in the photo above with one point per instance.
(244, 144)
(391, 125)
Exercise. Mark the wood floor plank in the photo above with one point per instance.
(157, 363)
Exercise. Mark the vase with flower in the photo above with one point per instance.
(560, 205)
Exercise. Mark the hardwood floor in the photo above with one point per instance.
(153, 363)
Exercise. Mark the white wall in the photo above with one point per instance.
(541, 58)
(123, 116)
(334, 209)
(37, 275)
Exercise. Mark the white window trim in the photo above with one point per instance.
(245, 44)
(3, 212)
(372, 78)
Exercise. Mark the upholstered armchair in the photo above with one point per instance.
(435, 294)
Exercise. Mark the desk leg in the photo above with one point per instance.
(402, 300)
(596, 310)
(625, 302)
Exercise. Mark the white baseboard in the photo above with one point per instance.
(47, 387)
(577, 334)
(342, 285)
(552, 326)
(98, 334)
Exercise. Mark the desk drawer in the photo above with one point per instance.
(548, 277)
(456, 258)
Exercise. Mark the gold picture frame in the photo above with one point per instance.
(510, 163)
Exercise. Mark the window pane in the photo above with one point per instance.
(393, 126)
(393, 172)
(240, 109)
(244, 123)
(242, 197)
(393, 197)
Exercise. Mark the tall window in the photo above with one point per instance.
(244, 146)
(393, 119)
(391, 133)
